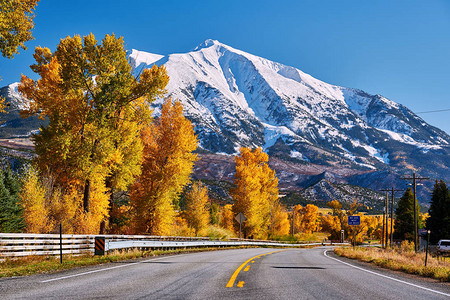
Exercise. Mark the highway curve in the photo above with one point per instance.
(258, 273)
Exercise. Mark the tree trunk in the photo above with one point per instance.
(87, 195)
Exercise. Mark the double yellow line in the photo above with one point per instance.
(236, 273)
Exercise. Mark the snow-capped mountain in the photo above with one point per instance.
(314, 131)
(238, 99)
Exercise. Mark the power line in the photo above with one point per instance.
(433, 111)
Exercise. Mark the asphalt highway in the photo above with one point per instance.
(258, 273)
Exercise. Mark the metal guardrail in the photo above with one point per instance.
(111, 245)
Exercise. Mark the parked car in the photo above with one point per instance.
(443, 246)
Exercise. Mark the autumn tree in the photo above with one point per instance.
(404, 216)
(167, 167)
(36, 207)
(255, 192)
(16, 23)
(197, 214)
(96, 110)
(280, 225)
(227, 217)
(306, 218)
(439, 220)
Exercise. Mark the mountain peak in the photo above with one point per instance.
(207, 43)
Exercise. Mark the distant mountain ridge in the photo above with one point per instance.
(238, 99)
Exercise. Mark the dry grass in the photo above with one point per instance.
(50, 264)
(400, 259)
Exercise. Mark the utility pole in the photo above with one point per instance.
(384, 228)
(414, 179)
(390, 236)
(385, 221)
(392, 213)
(293, 221)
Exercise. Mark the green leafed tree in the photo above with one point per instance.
(11, 213)
(439, 220)
(404, 217)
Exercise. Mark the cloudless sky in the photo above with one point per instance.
(399, 49)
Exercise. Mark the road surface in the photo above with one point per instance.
(258, 273)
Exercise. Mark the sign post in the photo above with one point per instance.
(240, 218)
(354, 221)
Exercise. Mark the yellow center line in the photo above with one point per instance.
(236, 273)
(247, 268)
(240, 284)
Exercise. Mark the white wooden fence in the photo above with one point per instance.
(26, 244)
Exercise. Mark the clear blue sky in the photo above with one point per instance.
(400, 49)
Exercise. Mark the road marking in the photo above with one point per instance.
(235, 274)
(252, 261)
(240, 284)
(388, 277)
(247, 268)
(107, 269)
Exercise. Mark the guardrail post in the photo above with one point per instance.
(99, 245)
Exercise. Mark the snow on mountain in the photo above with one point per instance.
(238, 99)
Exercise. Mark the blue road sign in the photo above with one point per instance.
(354, 220)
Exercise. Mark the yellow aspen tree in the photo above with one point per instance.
(255, 191)
(197, 214)
(308, 217)
(16, 19)
(332, 225)
(227, 217)
(36, 210)
(96, 109)
(280, 222)
(166, 169)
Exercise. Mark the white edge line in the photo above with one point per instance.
(106, 269)
(388, 277)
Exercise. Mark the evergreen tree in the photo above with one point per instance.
(404, 217)
(439, 220)
(11, 213)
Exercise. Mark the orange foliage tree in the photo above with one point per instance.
(227, 217)
(280, 224)
(167, 167)
(96, 109)
(306, 219)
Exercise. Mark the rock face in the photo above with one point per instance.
(313, 131)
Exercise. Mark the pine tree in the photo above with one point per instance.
(11, 213)
(439, 220)
(404, 217)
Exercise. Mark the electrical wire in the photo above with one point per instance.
(433, 111)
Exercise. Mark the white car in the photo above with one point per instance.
(444, 246)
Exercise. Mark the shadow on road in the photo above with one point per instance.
(300, 268)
